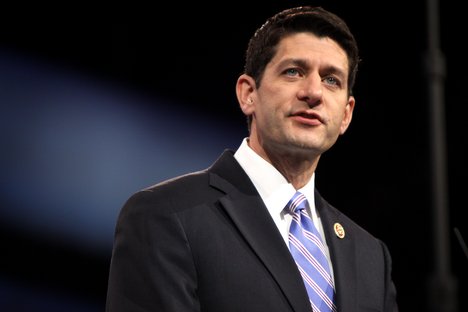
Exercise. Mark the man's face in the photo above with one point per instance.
(302, 103)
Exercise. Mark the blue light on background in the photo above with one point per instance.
(73, 149)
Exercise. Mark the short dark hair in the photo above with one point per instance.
(322, 23)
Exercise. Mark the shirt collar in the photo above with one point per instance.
(272, 186)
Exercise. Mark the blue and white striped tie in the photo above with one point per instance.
(306, 246)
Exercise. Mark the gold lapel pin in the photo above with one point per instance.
(339, 230)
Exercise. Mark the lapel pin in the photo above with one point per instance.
(339, 230)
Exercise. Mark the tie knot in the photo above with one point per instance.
(297, 203)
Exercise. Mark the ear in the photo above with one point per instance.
(348, 114)
(245, 91)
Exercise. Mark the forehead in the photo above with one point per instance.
(310, 48)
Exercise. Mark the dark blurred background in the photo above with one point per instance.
(97, 102)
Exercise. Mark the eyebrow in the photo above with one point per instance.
(329, 69)
(294, 61)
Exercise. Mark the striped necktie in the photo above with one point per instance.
(305, 244)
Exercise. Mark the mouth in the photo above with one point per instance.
(310, 118)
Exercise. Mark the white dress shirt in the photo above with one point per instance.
(276, 191)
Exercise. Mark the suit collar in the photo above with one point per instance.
(228, 176)
(342, 252)
(245, 207)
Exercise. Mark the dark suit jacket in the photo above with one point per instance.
(206, 242)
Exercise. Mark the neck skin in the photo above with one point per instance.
(296, 166)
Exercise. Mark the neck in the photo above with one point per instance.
(296, 166)
(297, 171)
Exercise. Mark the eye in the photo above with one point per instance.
(332, 81)
(292, 72)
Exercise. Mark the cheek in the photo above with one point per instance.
(271, 120)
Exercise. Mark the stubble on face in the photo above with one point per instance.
(288, 124)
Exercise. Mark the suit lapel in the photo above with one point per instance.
(246, 209)
(259, 230)
(342, 252)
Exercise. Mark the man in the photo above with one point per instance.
(220, 239)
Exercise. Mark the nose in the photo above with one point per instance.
(311, 90)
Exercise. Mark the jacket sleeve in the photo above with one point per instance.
(151, 267)
(390, 290)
